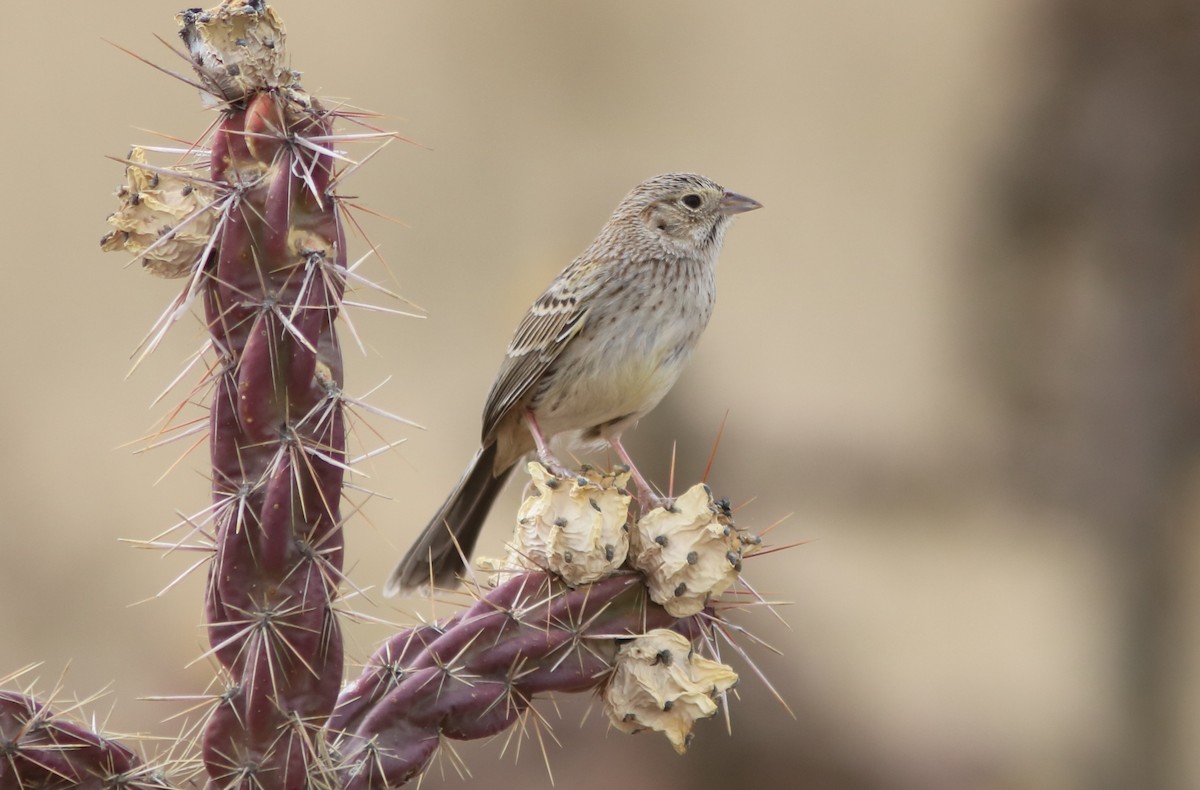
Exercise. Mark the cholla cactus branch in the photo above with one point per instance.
(476, 674)
(271, 293)
(40, 749)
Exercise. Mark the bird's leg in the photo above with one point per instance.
(647, 495)
(548, 459)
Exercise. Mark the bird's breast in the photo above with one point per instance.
(630, 351)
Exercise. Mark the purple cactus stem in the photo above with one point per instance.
(271, 309)
(476, 674)
(39, 749)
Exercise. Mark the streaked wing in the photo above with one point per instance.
(551, 322)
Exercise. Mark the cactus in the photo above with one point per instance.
(251, 219)
(476, 674)
(40, 748)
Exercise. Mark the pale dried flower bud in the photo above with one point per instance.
(689, 553)
(660, 684)
(576, 527)
(163, 217)
(237, 47)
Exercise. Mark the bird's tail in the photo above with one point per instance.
(437, 557)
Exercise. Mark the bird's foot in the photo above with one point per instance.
(558, 469)
(650, 500)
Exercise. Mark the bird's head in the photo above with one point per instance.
(683, 211)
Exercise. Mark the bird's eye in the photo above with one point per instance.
(691, 200)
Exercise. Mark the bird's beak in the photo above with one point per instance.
(733, 203)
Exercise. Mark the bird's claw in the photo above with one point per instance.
(649, 500)
(558, 470)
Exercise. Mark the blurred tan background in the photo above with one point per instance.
(958, 345)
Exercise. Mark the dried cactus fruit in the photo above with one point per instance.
(237, 48)
(660, 684)
(575, 527)
(165, 217)
(689, 553)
